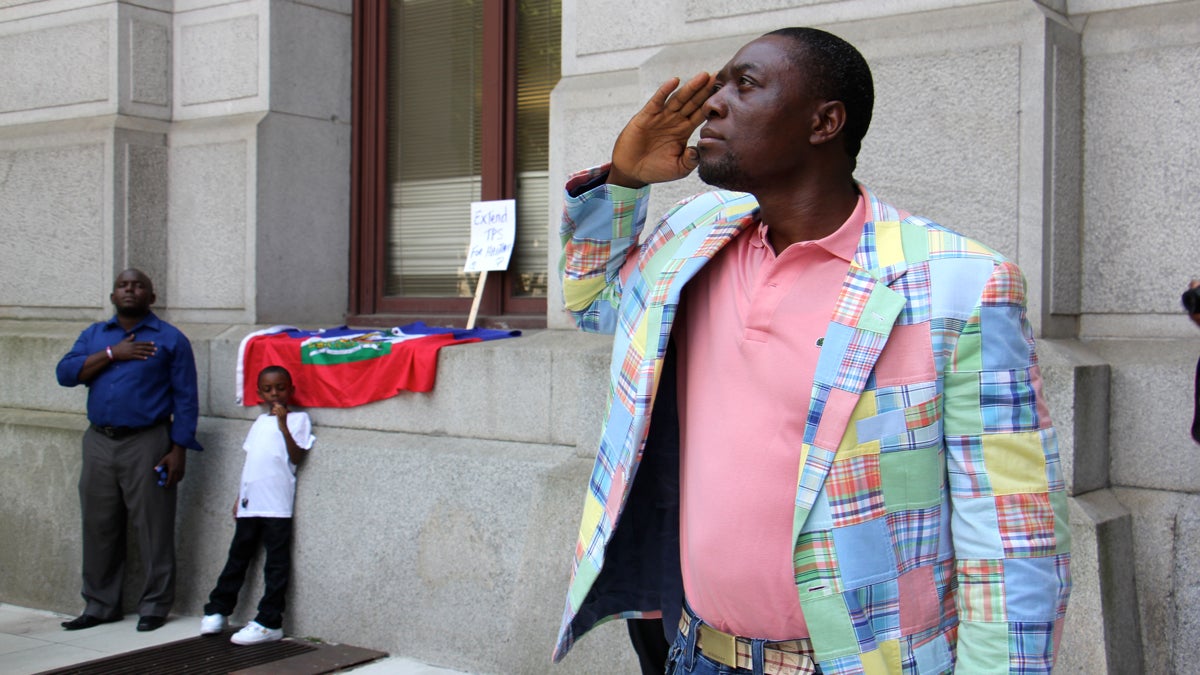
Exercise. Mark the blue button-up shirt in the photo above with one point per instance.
(139, 393)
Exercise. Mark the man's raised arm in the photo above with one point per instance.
(605, 207)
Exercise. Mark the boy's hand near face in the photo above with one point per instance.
(280, 412)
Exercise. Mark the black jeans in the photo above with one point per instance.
(275, 535)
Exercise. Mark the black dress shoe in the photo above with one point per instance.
(86, 621)
(149, 623)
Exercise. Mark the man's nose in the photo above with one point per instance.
(714, 106)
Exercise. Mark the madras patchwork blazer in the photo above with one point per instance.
(930, 521)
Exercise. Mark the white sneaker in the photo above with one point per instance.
(254, 633)
(212, 623)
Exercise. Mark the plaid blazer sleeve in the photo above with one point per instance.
(1009, 525)
(600, 228)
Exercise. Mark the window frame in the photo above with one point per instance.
(369, 201)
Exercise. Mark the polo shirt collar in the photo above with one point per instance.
(842, 242)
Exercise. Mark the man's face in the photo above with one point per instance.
(132, 293)
(758, 120)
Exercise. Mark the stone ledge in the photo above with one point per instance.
(543, 387)
(1102, 633)
(1150, 419)
(1076, 383)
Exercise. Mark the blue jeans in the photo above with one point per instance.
(685, 659)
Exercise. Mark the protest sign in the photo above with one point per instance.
(493, 230)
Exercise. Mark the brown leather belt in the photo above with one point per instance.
(788, 657)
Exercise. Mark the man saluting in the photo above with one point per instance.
(826, 448)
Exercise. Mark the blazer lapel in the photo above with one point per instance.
(862, 321)
(680, 258)
(674, 261)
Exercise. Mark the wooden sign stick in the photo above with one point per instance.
(475, 303)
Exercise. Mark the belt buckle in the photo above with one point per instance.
(718, 646)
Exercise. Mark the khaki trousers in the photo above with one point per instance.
(118, 487)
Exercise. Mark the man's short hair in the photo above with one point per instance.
(275, 370)
(836, 71)
(142, 276)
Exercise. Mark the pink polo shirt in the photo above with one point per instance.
(747, 341)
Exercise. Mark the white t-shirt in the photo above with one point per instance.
(268, 476)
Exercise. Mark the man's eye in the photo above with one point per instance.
(745, 81)
(716, 87)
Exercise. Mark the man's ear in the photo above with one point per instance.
(828, 119)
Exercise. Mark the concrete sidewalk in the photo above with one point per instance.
(31, 641)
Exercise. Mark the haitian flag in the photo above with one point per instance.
(343, 367)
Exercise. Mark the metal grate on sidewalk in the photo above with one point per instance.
(216, 655)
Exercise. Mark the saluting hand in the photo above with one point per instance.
(128, 350)
(652, 148)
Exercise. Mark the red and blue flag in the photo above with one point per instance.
(344, 367)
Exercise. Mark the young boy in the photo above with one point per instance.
(278, 441)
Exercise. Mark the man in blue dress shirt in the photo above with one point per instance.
(143, 406)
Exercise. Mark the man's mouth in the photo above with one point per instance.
(708, 139)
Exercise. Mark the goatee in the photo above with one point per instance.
(722, 172)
